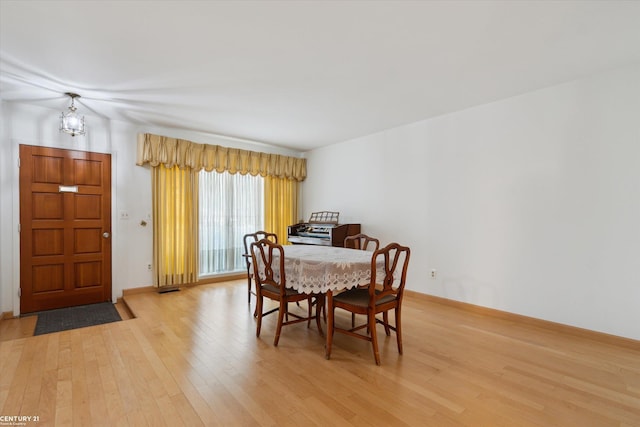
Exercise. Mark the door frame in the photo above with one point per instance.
(76, 144)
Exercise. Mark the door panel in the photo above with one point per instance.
(65, 208)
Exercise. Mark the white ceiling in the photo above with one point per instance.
(301, 74)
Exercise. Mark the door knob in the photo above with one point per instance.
(105, 235)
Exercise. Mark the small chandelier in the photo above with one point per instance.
(71, 122)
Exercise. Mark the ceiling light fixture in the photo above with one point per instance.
(72, 122)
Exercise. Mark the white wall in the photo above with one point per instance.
(131, 189)
(529, 205)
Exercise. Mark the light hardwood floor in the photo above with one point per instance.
(191, 358)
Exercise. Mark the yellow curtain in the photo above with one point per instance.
(175, 166)
(156, 150)
(175, 225)
(280, 205)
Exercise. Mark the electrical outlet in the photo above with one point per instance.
(433, 273)
(148, 266)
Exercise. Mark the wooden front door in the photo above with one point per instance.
(65, 228)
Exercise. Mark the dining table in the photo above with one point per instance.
(321, 270)
(315, 269)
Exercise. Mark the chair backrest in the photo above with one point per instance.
(389, 272)
(361, 241)
(248, 239)
(267, 258)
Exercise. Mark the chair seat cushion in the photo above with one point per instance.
(360, 297)
(274, 289)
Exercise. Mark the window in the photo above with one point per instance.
(230, 206)
(192, 226)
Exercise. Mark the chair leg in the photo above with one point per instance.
(374, 337)
(330, 319)
(385, 319)
(255, 312)
(398, 330)
(258, 314)
(319, 307)
(281, 313)
(320, 302)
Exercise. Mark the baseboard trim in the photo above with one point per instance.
(600, 337)
(206, 281)
(140, 290)
(222, 278)
(125, 306)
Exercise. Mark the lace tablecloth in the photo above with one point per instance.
(317, 269)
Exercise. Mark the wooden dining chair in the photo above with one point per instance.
(269, 277)
(248, 239)
(362, 241)
(384, 292)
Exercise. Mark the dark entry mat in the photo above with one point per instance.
(63, 319)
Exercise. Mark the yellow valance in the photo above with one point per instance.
(155, 150)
